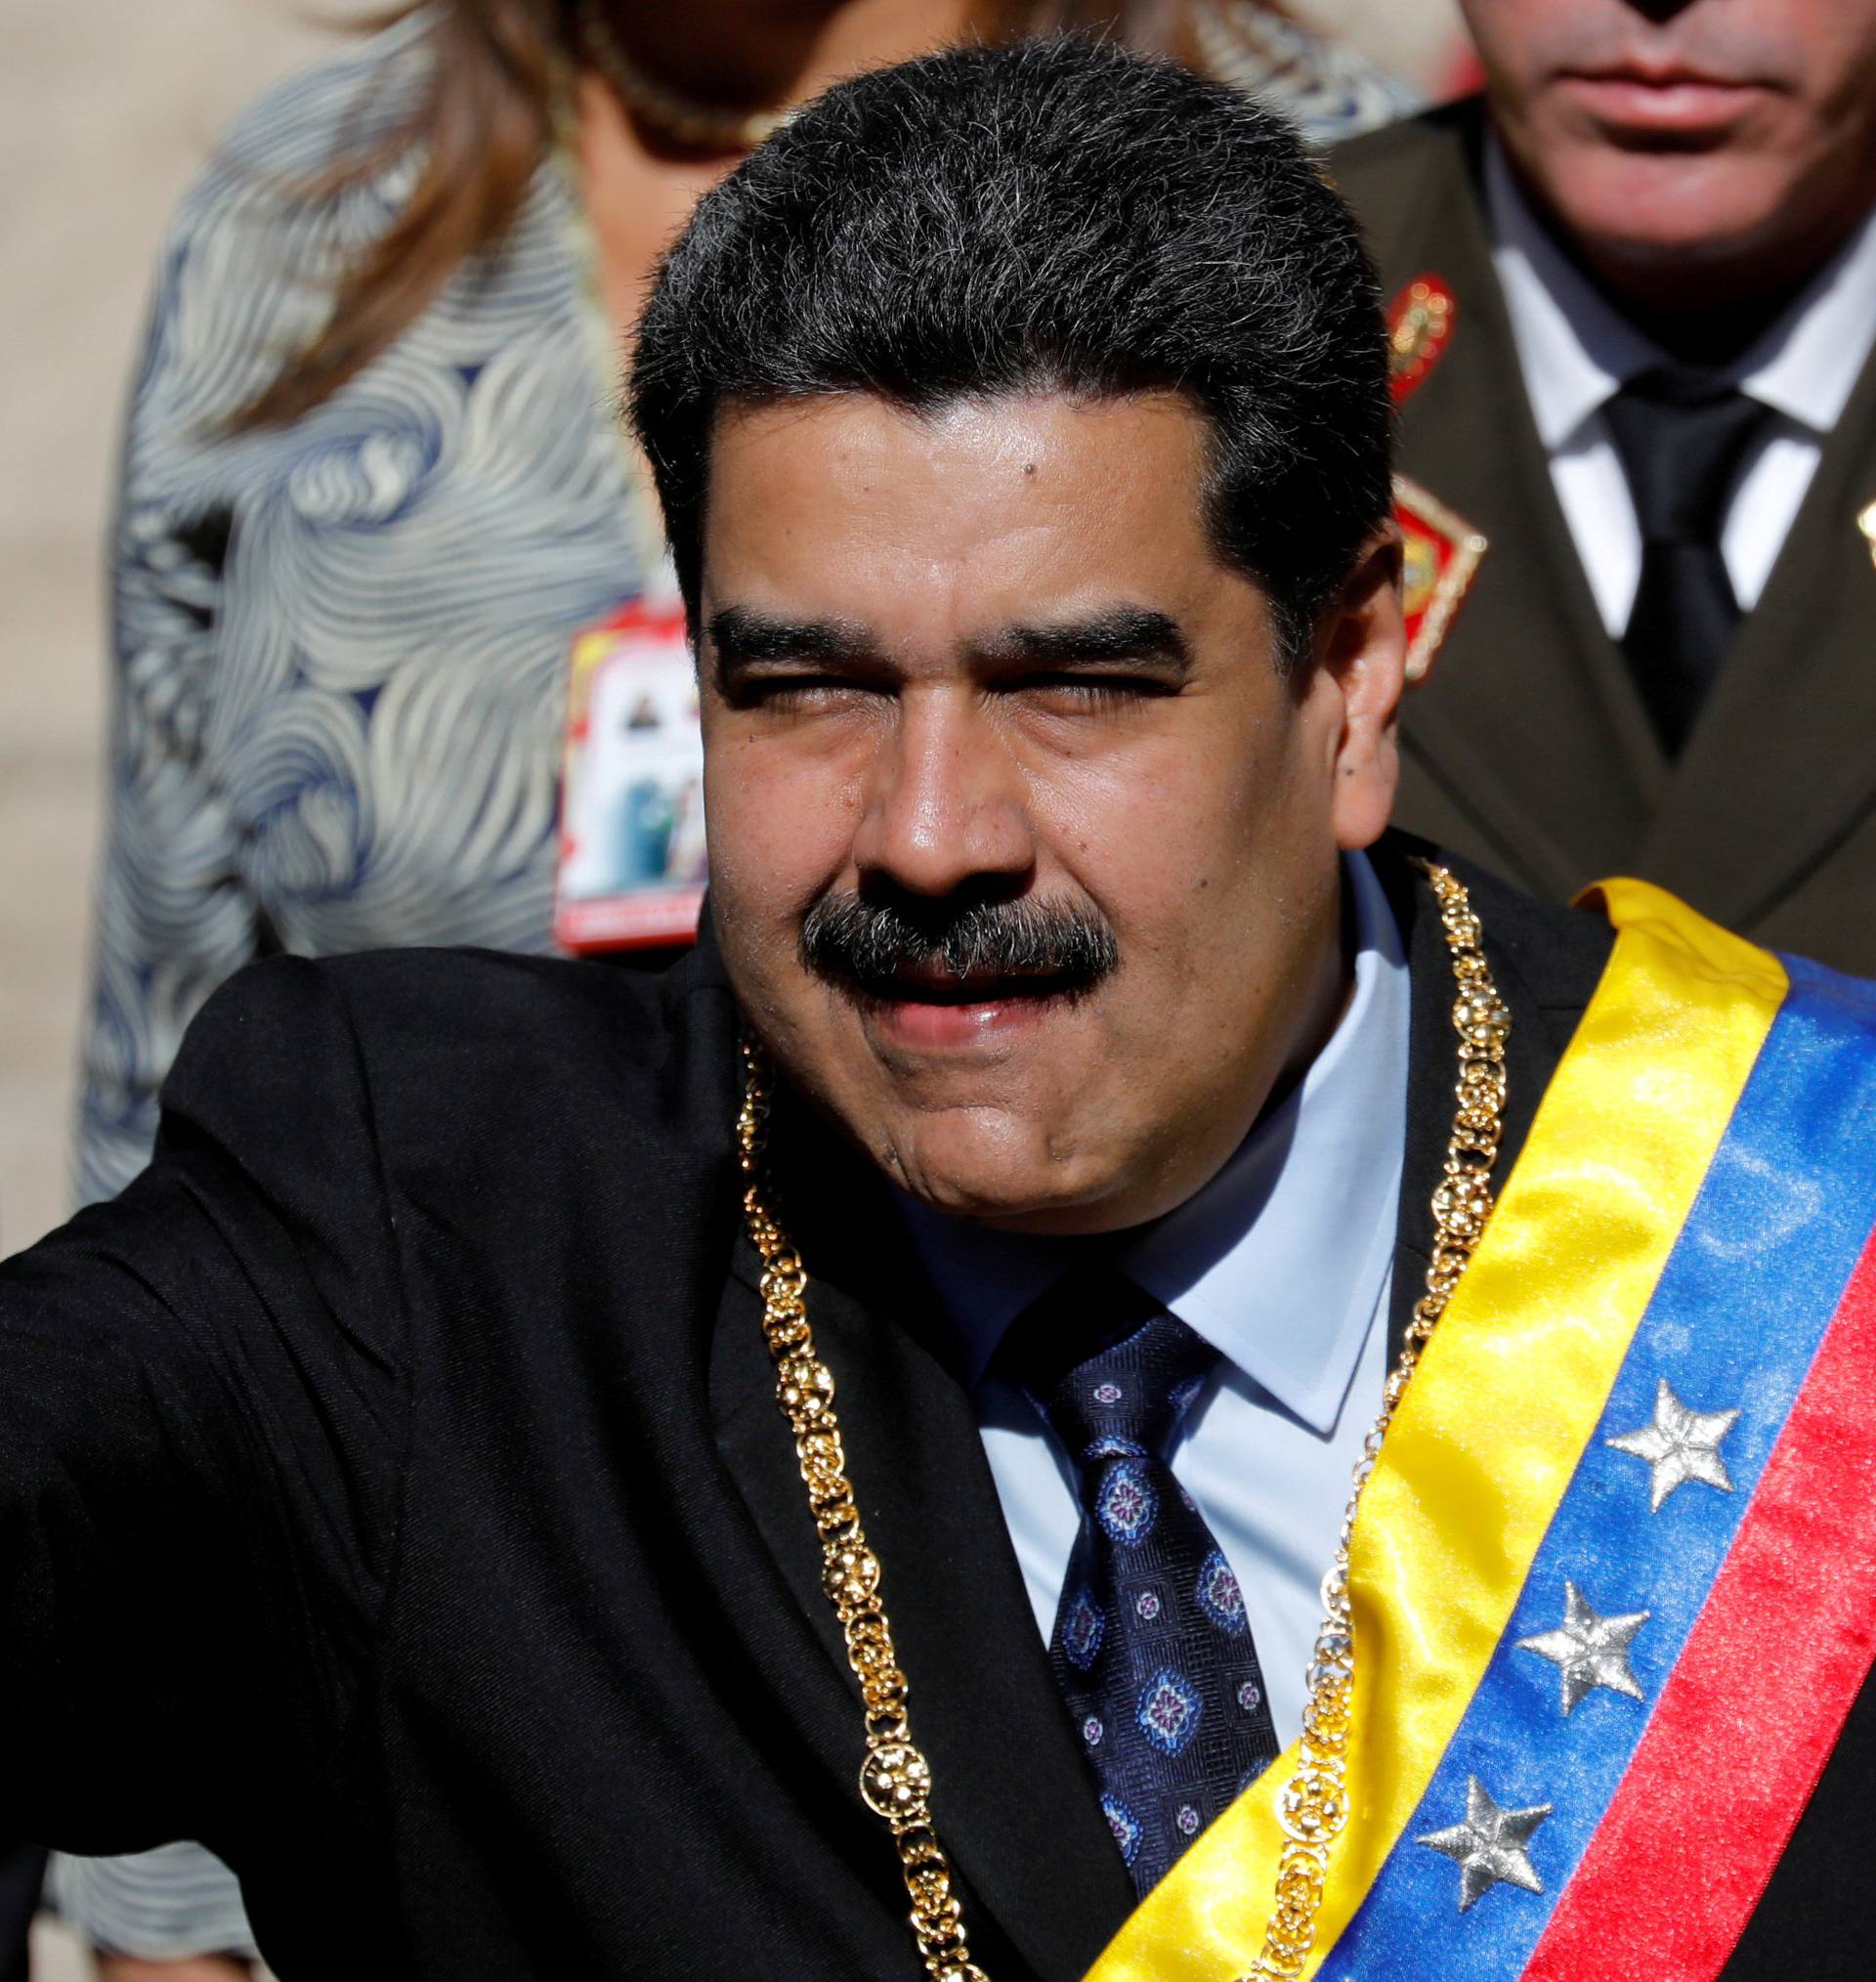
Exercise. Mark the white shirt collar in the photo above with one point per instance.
(1807, 364)
(1281, 1260)
(1575, 348)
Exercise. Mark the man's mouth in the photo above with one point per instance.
(933, 984)
(1665, 102)
(926, 1010)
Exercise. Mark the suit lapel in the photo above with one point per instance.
(1779, 768)
(1528, 656)
(1015, 1804)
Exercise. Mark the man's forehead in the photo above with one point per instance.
(1020, 434)
(1016, 509)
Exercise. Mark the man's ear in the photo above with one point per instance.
(1361, 653)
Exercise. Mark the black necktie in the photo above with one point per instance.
(1152, 1646)
(1684, 436)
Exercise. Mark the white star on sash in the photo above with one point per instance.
(1680, 1446)
(1489, 1846)
(1590, 1651)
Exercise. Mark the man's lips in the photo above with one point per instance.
(1672, 101)
(933, 985)
(972, 1023)
(933, 1011)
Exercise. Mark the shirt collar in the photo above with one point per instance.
(1576, 349)
(1280, 1261)
(1807, 363)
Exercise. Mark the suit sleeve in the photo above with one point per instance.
(201, 1406)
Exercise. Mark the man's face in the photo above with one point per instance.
(1713, 150)
(988, 661)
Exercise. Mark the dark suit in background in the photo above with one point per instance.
(1529, 748)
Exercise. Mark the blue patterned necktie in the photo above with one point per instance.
(1152, 1647)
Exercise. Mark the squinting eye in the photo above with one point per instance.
(795, 691)
(1098, 692)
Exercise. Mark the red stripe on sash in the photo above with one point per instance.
(1752, 1708)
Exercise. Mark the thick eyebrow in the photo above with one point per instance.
(1112, 635)
(742, 637)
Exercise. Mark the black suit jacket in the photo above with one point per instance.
(393, 1495)
(1529, 748)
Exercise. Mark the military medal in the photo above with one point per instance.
(1440, 551)
(1419, 325)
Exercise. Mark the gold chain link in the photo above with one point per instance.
(895, 1779)
(1314, 1805)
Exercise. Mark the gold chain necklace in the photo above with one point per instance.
(678, 119)
(895, 1778)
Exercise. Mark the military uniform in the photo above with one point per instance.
(1529, 748)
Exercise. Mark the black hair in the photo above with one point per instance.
(1059, 215)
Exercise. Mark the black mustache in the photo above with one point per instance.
(878, 944)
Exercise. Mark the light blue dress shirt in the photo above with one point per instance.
(1283, 1263)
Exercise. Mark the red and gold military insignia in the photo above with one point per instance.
(1419, 325)
(1440, 550)
(1440, 553)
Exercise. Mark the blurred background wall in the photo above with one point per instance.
(106, 108)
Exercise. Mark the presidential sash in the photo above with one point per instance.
(1614, 1577)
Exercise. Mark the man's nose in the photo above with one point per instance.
(944, 801)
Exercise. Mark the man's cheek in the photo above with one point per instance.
(791, 819)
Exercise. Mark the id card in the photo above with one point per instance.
(631, 867)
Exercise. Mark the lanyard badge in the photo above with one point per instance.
(632, 869)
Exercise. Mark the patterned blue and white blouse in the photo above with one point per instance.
(340, 646)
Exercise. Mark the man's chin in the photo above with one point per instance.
(998, 1168)
(1657, 216)
(1003, 1203)
(990, 1112)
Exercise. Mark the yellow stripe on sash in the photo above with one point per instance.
(1506, 1395)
